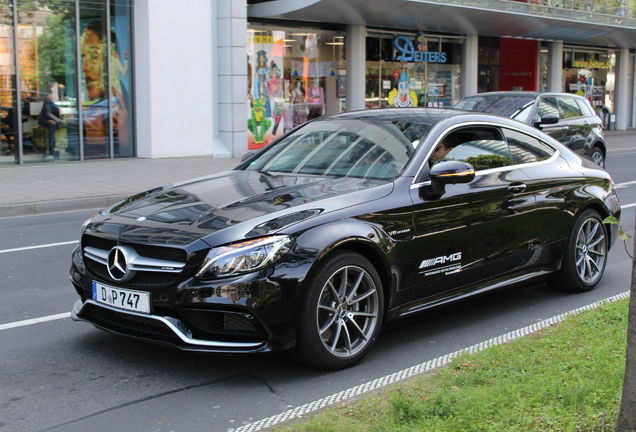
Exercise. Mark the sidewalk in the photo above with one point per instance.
(62, 186)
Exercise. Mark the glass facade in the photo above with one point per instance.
(587, 72)
(412, 70)
(61, 62)
(293, 75)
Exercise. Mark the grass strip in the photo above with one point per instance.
(567, 377)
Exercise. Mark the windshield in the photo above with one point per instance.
(345, 147)
(516, 107)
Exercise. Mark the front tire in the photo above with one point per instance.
(597, 157)
(585, 255)
(342, 312)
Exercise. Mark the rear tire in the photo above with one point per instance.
(585, 255)
(341, 313)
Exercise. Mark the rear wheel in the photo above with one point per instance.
(585, 255)
(342, 312)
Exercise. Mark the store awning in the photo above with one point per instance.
(514, 19)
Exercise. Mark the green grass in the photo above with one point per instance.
(567, 377)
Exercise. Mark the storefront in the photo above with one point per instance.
(296, 74)
(293, 75)
(61, 62)
(412, 69)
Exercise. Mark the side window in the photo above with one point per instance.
(548, 105)
(570, 107)
(526, 149)
(585, 106)
(483, 149)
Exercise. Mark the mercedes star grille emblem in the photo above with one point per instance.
(119, 263)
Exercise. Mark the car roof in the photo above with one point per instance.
(524, 94)
(427, 115)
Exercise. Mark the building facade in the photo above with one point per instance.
(87, 79)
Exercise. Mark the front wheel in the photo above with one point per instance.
(597, 156)
(341, 313)
(585, 255)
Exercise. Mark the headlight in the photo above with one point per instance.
(244, 257)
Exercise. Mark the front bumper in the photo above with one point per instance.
(157, 329)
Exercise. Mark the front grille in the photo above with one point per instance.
(131, 325)
(142, 279)
(222, 325)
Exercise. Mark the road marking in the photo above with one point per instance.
(628, 206)
(624, 185)
(414, 370)
(34, 321)
(38, 246)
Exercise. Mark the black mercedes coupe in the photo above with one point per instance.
(344, 223)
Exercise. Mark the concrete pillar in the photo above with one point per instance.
(470, 65)
(229, 46)
(555, 67)
(621, 102)
(173, 78)
(356, 51)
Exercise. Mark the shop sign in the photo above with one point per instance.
(592, 64)
(406, 52)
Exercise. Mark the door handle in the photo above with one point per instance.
(517, 188)
(564, 128)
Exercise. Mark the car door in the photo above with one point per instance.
(559, 131)
(476, 231)
(574, 123)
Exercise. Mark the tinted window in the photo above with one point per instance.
(527, 149)
(366, 148)
(548, 105)
(483, 149)
(585, 106)
(570, 108)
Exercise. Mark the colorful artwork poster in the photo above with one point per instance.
(266, 91)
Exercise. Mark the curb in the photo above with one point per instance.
(35, 208)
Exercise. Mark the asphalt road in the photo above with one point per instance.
(60, 375)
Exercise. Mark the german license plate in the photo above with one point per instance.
(137, 301)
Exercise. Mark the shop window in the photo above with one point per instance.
(44, 123)
(293, 76)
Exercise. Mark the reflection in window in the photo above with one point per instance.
(548, 105)
(342, 147)
(526, 149)
(41, 122)
(570, 107)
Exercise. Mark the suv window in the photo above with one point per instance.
(548, 105)
(570, 107)
(585, 106)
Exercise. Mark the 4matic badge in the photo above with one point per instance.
(442, 264)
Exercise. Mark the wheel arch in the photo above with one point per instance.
(364, 239)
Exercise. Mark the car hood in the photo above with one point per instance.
(230, 206)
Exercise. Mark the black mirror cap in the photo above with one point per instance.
(248, 155)
(547, 119)
(452, 172)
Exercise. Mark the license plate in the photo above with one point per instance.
(137, 301)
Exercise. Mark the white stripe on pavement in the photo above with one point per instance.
(38, 246)
(34, 321)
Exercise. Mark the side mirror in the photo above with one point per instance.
(248, 155)
(547, 119)
(452, 172)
